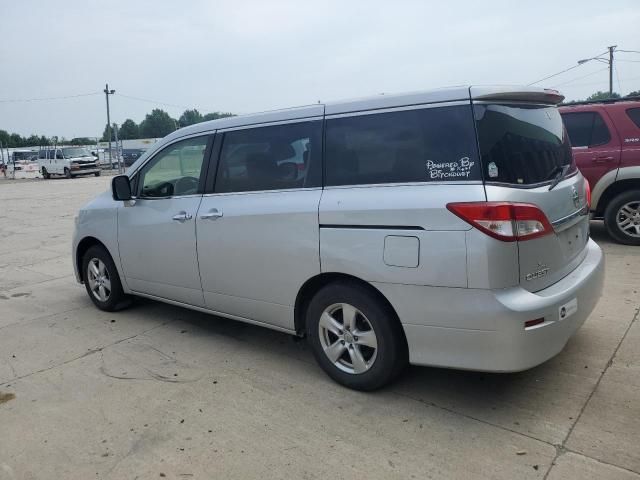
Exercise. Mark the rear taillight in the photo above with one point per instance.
(504, 221)
(587, 193)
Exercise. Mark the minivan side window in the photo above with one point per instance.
(634, 115)
(174, 171)
(586, 129)
(271, 158)
(418, 145)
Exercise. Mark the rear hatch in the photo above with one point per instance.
(526, 157)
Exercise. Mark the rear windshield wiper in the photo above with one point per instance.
(562, 171)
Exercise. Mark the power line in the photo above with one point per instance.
(41, 99)
(154, 101)
(580, 78)
(628, 51)
(625, 60)
(565, 70)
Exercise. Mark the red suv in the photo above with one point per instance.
(605, 137)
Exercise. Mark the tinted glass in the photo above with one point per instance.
(600, 134)
(175, 170)
(579, 126)
(586, 129)
(634, 115)
(76, 152)
(422, 145)
(271, 158)
(521, 144)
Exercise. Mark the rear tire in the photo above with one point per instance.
(46, 175)
(97, 174)
(360, 344)
(102, 281)
(67, 173)
(622, 218)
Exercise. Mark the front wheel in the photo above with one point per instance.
(67, 173)
(355, 337)
(97, 174)
(622, 217)
(46, 175)
(102, 281)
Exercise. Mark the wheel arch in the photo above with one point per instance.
(614, 190)
(85, 244)
(314, 284)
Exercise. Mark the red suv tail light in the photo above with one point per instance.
(587, 193)
(505, 221)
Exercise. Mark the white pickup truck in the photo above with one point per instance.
(67, 161)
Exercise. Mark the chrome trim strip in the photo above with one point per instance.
(270, 124)
(564, 220)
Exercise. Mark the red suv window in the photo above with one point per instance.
(586, 129)
(634, 115)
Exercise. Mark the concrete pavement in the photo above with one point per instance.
(161, 392)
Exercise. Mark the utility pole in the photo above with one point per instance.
(108, 92)
(611, 49)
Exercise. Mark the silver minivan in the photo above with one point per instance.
(446, 228)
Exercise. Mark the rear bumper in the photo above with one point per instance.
(484, 329)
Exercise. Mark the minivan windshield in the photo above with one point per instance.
(75, 152)
(522, 144)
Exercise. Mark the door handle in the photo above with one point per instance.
(182, 217)
(603, 159)
(212, 214)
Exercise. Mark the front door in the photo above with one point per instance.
(258, 235)
(156, 235)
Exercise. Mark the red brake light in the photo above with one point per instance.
(587, 193)
(505, 221)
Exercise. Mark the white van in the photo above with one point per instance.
(67, 161)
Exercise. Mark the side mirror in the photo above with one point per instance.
(121, 188)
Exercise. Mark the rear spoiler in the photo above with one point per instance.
(516, 94)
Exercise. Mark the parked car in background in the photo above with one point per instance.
(67, 161)
(446, 228)
(605, 137)
(130, 155)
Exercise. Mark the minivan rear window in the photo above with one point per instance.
(521, 144)
(419, 145)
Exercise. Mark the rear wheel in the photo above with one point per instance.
(46, 175)
(355, 337)
(622, 217)
(102, 281)
(67, 173)
(97, 174)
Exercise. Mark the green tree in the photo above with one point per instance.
(129, 130)
(635, 93)
(5, 138)
(216, 116)
(157, 124)
(105, 133)
(82, 141)
(190, 117)
(602, 96)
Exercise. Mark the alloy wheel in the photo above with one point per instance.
(628, 219)
(347, 338)
(99, 279)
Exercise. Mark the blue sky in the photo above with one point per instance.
(244, 56)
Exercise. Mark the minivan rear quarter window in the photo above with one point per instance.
(521, 144)
(419, 145)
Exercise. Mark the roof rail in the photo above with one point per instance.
(606, 100)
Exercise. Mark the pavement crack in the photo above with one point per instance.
(561, 449)
(91, 351)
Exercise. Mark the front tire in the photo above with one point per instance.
(102, 281)
(97, 174)
(355, 337)
(67, 173)
(622, 218)
(46, 175)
